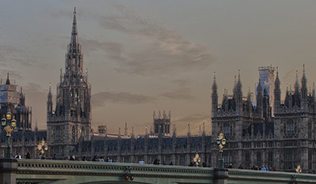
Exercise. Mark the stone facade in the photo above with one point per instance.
(23, 138)
(71, 118)
(256, 138)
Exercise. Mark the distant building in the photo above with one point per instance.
(162, 123)
(255, 138)
(266, 79)
(23, 138)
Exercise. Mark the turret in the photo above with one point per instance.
(49, 101)
(304, 85)
(249, 103)
(266, 105)
(297, 85)
(239, 90)
(22, 98)
(214, 97)
(125, 130)
(259, 99)
(8, 80)
(238, 96)
(277, 92)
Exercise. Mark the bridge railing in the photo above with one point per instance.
(65, 167)
(269, 176)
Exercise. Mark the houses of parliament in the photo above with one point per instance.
(267, 131)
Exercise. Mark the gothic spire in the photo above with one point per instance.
(277, 80)
(313, 91)
(214, 97)
(74, 32)
(297, 85)
(304, 84)
(125, 130)
(49, 96)
(8, 80)
(146, 131)
(239, 82)
(277, 90)
(214, 84)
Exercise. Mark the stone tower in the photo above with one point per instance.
(71, 118)
(162, 123)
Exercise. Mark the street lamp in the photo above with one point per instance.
(197, 160)
(8, 125)
(298, 169)
(42, 147)
(221, 141)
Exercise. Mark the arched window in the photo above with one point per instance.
(58, 133)
(227, 131)
(290, 128)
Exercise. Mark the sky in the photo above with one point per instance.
(144, 55)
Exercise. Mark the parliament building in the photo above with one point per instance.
(261, 129)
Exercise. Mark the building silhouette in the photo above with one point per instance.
(267, 131)
(71, 118)
(255, 137)
(23, 138)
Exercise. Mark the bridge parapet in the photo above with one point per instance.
(237, 176)
(63, 171)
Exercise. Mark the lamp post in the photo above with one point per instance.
(197, 160)
(8, 125)
(42, 147)
(298, 169)
(221, 141)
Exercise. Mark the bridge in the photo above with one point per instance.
(31, 171)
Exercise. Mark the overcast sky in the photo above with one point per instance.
(145, 56)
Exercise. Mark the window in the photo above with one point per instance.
(289, 160)
(247, 160)
(270, 159)
(290, 128)
(259, 159)
(58, 133)
(309, 129)
(227, 130)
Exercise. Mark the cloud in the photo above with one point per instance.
(113, 49)
(99, 99)
(157, 50)
(179, 94)
(11, 56)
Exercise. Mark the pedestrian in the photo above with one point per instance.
(18, 156)
(84, 158)
(95, 158)
(54, 157)
(28, 155)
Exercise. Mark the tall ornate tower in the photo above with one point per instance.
(71, 118)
